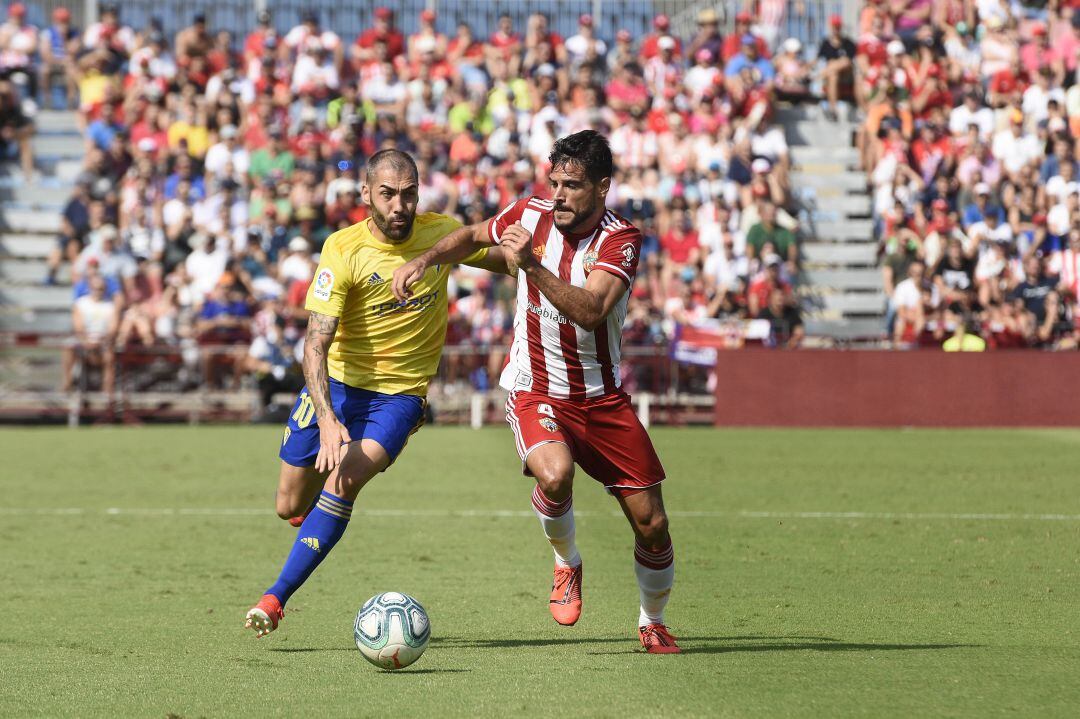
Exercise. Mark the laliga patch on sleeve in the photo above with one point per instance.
(324, 282)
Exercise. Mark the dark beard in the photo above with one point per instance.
(395, 235)
(575, 224)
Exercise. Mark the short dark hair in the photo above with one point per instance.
(587, 148)
(400, 161)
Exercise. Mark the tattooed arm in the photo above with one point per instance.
(333, 436)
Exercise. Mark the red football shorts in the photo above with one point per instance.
(603, 434)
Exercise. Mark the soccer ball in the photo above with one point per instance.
(392, 630)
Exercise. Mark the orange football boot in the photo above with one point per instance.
(264, 616)
(565, 602)
(656, 639)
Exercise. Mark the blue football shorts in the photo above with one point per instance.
(389, 419)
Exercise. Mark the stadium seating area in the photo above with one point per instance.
(215, 167)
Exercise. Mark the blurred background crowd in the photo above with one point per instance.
(216, 166)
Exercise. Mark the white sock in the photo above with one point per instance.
(557, 521)
(655, 570)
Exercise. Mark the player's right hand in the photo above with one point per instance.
(405, 277)
(333, 444)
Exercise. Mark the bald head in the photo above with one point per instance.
(396, 161)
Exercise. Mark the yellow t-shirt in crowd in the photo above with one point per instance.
(383, 345)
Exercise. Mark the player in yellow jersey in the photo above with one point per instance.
(368, 359)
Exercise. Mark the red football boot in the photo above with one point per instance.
(656, 639)
(565, 602)
(264, 616)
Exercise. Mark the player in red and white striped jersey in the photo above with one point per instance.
(575, 262)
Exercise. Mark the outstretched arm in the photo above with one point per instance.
(333, 436)
(588, 306)
(455, 247)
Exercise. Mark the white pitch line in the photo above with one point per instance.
(514, 513)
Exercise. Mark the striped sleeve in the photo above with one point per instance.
(620, 251)
(508, 216)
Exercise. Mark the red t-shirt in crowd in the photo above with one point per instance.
(395, 41)
(679, 246)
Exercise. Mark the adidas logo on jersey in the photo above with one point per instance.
(312, 542)
(375, 279)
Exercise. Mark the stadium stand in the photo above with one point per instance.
(788, 163)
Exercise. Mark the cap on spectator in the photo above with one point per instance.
(264, 17)
(666, 43)
(384, 13)
(107, 232)
(962, 27)
(895, 47)
(1016, 116)
(310, 16)
(836, 21)
(427, 15)
(228, 132)
(1039, 30)
(773, 260)
(16, 9)
(585, 20)
(200, 18)
(623, 36)
(545, 70)
(792, 44)
(982, 189)
(1056, 124)
(1073, 188)
(307, 212)
(940, 204)
(93, 262)
(760, 165)
(61, 14)
(147, 144)
(703, 55)
(661, 22)
(708, 16)
(299, 244)
(743, 17)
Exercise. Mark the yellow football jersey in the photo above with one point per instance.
(383, 345)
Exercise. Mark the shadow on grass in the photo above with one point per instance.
(707, 645)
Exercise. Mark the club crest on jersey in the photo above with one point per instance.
(627, 251)
(589, 261)
(324, 282)
(549, 424)
(539, 252)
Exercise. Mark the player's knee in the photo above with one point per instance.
(654, 529)
(288, 506)
(556, 480)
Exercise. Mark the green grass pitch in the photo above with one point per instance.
(918, 608)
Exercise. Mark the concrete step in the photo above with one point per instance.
(866, 279)
(820, 134)
(29, 246)
(865, 303)
(804, 154)
(36, 298)
(839, 205)
(843, 231)
(847, 329)
(30, 272)
(29, 221)
(61, 146)
(56, 121)
(813, 112)
(845, 182)
(36, 321)
(36, 195)
(833, 253)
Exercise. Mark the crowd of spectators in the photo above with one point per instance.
(216, 166)
(971, 109)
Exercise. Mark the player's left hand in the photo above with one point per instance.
(517, 242)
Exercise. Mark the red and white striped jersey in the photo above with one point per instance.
(550, 354)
